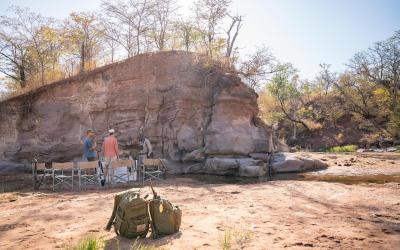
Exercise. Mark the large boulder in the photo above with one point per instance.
(180, 102)
(249, 167)
(234, 112)
(194, 156)
(252, 171)
(246, 167)
(289, 162)
(243, 162)
(260, 156)
(221, 166)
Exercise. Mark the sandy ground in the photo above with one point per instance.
(269, 215)
(358, 163)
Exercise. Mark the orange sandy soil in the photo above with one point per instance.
(272, 215)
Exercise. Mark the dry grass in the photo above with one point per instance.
(30, 87)
(8, 197)
(138, 246)
(234, 238)
(94, 242)
(89, 242)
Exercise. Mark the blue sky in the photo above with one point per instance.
(303, 32)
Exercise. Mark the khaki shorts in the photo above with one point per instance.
(108, 161)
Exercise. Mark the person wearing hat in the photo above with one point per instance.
(110, 152)
(89, 146)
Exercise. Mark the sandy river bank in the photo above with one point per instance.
(272, 215)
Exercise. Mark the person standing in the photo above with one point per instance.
(146, 149)
(110, 152)
(145, 146)
(89, 146)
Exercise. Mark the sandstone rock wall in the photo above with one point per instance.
(188, 109)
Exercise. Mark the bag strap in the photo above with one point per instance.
(116, 230)
(111, 220)
(154, 233)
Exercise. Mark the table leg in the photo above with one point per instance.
(112, 176)
(79, 178)
(34, 173)
(53, 179)
(72, 179)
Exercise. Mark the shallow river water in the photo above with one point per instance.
(345, 179)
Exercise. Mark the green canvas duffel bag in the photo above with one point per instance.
(130, 215)
(166, 218)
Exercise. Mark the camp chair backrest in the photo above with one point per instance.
(122, 163)
(88, 164)
(152, 162)
(39, 166)
(63, 165)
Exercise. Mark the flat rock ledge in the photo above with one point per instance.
(254, 166)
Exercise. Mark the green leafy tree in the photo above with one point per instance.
(380, 65)
(284, 87)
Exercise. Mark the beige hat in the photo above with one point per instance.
(111, 131)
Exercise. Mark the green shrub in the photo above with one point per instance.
(346, 148)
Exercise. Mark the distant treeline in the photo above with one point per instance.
(363, 101)
(35, 50)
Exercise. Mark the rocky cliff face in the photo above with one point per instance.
(189, 110)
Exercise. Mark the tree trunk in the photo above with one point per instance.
(138, 42)
(22, 77)
(112, 54)
(294, 131)
(82, 69)
(42, 73)
(291, 118)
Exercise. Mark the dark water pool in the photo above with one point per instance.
(349, 180)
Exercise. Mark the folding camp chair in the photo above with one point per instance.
(88, 173)
(153, 169)
(121, 175)
(41, 175)
(63, 174)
